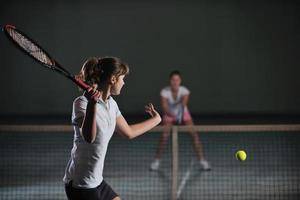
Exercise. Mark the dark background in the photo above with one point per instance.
(238, 58)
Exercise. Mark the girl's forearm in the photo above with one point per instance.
(142, 127)
(89, 123)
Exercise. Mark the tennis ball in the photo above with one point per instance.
(241, 155)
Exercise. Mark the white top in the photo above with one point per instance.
(175, 106)
(85, 166)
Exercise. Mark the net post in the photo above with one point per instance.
(174, 162)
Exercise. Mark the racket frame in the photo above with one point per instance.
(55, 65)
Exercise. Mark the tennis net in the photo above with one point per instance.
(33, 160)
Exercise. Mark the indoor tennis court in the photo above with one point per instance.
(204, 95)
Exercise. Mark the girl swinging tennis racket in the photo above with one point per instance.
(95, 116)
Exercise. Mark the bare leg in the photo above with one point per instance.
(196, 140)
(163, 140)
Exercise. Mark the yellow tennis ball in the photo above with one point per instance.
(241, 155)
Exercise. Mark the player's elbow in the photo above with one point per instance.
(128, 135)
(126, 132)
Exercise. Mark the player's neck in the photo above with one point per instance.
(105, 90)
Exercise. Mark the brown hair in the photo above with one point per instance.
(175, 72)
(99, 70)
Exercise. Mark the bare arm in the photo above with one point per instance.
(88, 126)
(165, 106)
(132, 131)
(185, 100)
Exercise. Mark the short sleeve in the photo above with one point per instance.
(115, 107)
(118, 112)
(164, 93)
(79, 109)
(184, 91)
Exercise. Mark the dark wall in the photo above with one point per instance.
(235, 56)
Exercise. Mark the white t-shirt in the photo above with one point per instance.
(85, 166)
(175, 106)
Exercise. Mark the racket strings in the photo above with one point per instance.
(30, 47)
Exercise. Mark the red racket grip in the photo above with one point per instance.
(81, 84)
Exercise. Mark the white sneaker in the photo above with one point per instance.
(204, 165)
(155, 165)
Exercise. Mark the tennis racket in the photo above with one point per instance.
(36, 52)
(180, 114)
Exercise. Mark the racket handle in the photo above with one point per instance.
(81, 83)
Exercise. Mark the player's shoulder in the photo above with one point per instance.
(184, 89)
(79, 99)
(113, 101)
(166, 89)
